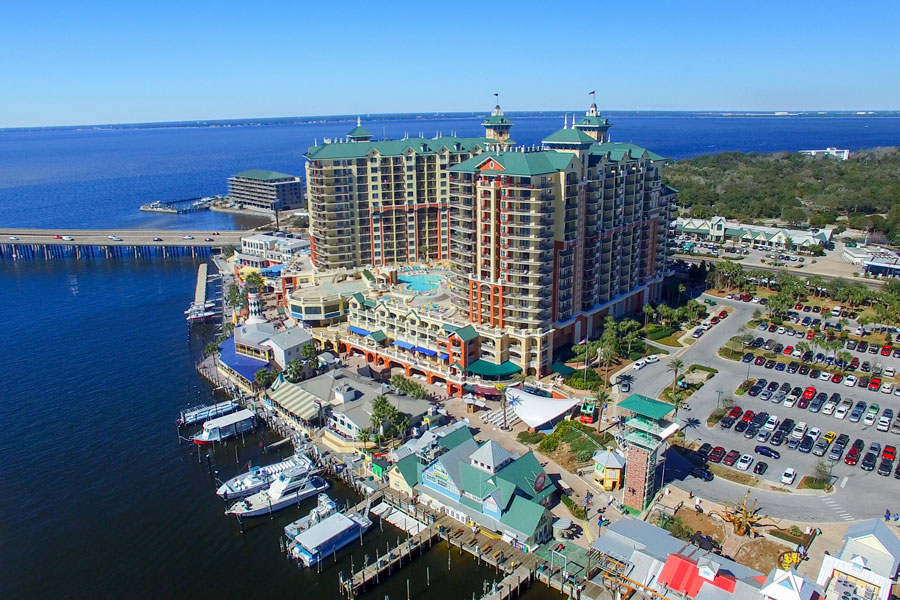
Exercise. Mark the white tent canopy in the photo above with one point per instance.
(536, 410)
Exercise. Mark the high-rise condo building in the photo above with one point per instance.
(541, 244)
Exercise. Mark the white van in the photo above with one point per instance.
(836, 311)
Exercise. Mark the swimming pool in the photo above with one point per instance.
(421, 283)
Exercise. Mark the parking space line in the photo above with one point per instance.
(844, 481)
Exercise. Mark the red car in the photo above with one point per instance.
(875, 384)
(760, 360)
(731, 458)
(57, 237)
(747, 297)
(836, 378)
(886, 350)
(810, 334)
(798, 306)
(748, 416)
(736, 413)
(714, 320)
(789, 350)
(716, 455)
(852, 457)
(809, 393)
(723, 314)
(889, 453)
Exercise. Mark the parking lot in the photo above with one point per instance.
(845, 503)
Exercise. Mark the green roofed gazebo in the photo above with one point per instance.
(562, 368)
(378, 336)
(646, 407)
(489, 369)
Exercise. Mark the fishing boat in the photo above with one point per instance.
(259, 478)
(222, 428)
(291, 487)
(327, 537)
(199, 414)
(324, 509)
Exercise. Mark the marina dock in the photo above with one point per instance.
(200, 289)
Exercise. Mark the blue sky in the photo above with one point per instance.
(111, 62)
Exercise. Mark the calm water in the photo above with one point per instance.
(98, 496)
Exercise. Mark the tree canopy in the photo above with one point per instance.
(796, 188)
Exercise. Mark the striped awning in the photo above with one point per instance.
(295, 400)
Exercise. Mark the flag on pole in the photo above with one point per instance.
(496, 94)
(591, 93)
(582, 342)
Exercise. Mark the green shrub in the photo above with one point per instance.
(661, 333)
(527, 437)
(716, 416)
(576, 511)
(548, 444)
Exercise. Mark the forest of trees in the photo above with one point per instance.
(796, 188)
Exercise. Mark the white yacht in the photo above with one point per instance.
(259, 478)
(291, 487)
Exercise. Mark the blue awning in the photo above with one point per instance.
(426, 351)
(357, 330)
(245, 366)
(271, 271)
(404, 345)
(443, 356)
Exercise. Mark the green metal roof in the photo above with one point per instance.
(467, 333)
(617, 150)
(647, 407)
(523, 515)
(394, 147)
(263, 175)
(569, 136)
(522, 473)
(449, 328)
(562, 368)
(732, 231)
(475, 481)
(410, 469)
(497, 120)
(593, 121)
(455, 438)
(518, 163)
(359, 132)
(378, 336)
(483, 367)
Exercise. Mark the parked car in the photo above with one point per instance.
(788, 476)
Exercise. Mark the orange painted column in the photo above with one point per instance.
(501, 306)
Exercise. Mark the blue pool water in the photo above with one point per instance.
(421, 283)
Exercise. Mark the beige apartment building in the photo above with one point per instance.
(266, 190)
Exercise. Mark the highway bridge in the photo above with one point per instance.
(121, 237)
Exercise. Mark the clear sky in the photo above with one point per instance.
(82, 62)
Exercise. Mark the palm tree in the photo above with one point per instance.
(845, 358)
(502, 389)
(294, 371)
(606, 357)
(211, 349)
(365, 436)
(602, 400)
(675, 365)
(309, 351)
(649, 313)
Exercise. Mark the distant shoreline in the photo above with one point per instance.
(447, 116)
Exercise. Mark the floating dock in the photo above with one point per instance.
(200, 290)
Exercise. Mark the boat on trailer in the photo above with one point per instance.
(222, 428)
(200, 414)
(260, 478)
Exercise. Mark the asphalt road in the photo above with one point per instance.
(130, 237)
(857, 495)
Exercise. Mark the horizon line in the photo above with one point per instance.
(375, 116)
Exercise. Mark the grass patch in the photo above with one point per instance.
(527, 437)
(657, 334)
(715, 416)
(730, 354)
(733, 475)
(581, 439)
(812, 483)
(788, 536)
(576, 511)
(669, 341)
(676, 527)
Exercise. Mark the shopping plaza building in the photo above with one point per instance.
(527, 249)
